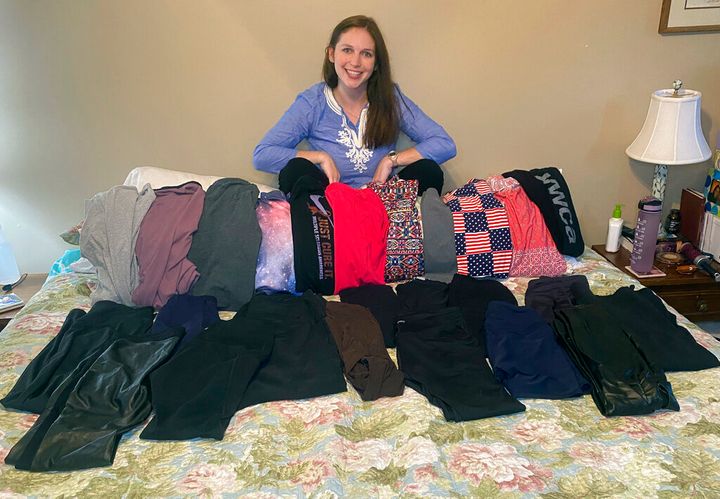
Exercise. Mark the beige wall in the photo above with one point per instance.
(90, 89)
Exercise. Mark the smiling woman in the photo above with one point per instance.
(352, 121)
(354, 62)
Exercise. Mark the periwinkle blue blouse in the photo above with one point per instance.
(315, 116)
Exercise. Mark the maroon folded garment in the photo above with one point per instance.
(164, 242)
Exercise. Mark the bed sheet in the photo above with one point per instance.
(337, 446)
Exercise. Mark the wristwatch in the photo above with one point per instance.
(393, 157)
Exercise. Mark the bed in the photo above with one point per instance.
(339, 445)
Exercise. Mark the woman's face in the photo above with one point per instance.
(354, 58)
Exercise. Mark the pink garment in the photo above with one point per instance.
(534, 250)
(483, 244)
(164, 242)
(361, 230)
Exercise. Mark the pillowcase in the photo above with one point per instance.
(161, 177)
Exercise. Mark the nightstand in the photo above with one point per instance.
(25, 290)
(695, 296)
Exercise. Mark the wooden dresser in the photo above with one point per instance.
(696, 296)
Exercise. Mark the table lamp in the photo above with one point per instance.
(671, 134)
(9, 273)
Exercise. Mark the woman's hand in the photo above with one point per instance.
(383, 170)
(327, 165)
(324, 161)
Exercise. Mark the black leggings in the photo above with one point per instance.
(426, 171)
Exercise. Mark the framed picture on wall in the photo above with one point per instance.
(688, 16)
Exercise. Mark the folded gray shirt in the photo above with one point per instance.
(112, 223)
(438, 237)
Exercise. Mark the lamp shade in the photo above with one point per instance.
(671, 134)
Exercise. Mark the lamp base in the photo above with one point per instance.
(9, 272)
(659, 181)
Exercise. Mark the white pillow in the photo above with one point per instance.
(160, 177)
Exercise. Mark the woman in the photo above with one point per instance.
(353, 119)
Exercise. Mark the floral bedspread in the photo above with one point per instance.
(341, 446)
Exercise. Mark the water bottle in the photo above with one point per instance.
(646, 232)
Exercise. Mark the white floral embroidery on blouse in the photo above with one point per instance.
(357, 153)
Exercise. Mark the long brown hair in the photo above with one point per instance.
(383, 122)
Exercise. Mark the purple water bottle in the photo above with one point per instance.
(646, 232)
